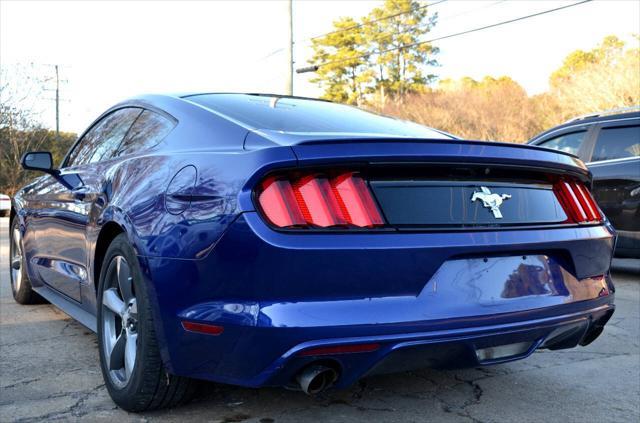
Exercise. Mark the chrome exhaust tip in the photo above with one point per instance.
(316, 378)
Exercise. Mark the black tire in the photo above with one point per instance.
(21, 287)
(149, 385)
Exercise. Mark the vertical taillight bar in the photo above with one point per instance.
(355, 198)
(578, 213)
(279, 203)
(317, 202)
(577, 201)
(588, 203)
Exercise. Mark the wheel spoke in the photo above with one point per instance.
(16, 259)
(17, 250)
(113, 302)
(16, 236)
(116, 357)
(130, 353)
(124, 279)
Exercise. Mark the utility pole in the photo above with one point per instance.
(289, 87)
(57, 105)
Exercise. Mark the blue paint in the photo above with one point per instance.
(207, 255)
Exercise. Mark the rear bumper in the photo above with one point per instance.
(403, 347)
(448, 349)
(427, 299)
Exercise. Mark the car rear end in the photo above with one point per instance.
(373, 256)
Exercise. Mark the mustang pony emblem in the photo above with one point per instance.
(490, 201)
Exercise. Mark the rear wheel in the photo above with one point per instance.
(129, 355)
(21, 288)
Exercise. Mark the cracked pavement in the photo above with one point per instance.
(49, 371)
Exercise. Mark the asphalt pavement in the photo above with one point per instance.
(49, 371)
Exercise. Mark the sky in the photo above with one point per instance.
(108, 51)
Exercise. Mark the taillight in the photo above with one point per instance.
(577, 201)
(316, 200)
(356, 200)
(277, 197)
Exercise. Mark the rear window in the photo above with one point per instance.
(617, 143)
(296, 115)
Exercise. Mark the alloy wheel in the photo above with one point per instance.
(119, 321)
(16, 259)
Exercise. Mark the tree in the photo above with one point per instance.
(399, 62)
(492, 108)
(606, 77)
(346, 74)
(14, 143)
(379, 54)
(20, 129)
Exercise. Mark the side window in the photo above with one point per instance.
(569, 143)
(617, 143)
(103, 139)
(148, 130)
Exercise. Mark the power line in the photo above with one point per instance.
(314, 68)
(381, 36)
(273, 53)
(360, 25)
(281, 49)
(446, 18)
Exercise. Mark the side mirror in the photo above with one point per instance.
(42, 161)
(38, 160)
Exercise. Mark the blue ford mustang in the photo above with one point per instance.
(263, 240)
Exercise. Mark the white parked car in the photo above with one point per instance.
(5, 205)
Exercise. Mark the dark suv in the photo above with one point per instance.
(609, 143)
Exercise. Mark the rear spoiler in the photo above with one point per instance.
(439, 151)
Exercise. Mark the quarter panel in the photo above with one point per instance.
(137, 187)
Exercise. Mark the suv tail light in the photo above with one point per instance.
(577, 201)
(316, 200)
